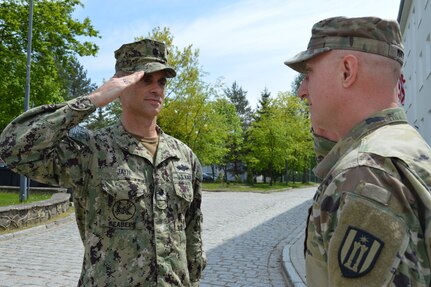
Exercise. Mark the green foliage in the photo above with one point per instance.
(263, 105)
(234, 160)
(9, 198)
(55, 45)
(280, 136)
(219, 178)
(75, 79)
(238, 97)
(296, 83)
(104, 116)
(188, 113)
(257, 187)
(235, 136)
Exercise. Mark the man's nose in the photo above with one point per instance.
(302, 90)
(156, 88)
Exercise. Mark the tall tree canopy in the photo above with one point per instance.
(279, 136)
(55, 46)
(239, 98)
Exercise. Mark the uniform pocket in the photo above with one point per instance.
(121, 203)
(184, 189)
(124, 188)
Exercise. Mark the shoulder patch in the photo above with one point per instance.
(359, 252)
(79, 133)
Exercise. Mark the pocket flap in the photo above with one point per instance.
(184, 189)
(124, 188)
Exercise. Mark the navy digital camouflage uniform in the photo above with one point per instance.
(139, 220)
(370, 222)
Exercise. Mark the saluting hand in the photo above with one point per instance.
(113, 88)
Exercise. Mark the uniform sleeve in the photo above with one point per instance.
(195, 255)
(378, 239)
(39, 143)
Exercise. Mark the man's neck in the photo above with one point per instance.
(142, 127)
(360, 111)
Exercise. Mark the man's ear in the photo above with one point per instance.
(350, 70)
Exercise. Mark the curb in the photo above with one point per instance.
(290, 272)
(38, 228)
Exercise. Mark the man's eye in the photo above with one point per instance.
(162, 82)
(146, 80)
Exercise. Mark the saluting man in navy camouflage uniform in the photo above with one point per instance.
(137, 190)
(370, 222)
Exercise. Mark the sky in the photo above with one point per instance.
(245, 41)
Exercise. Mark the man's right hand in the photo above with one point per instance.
(113, 88)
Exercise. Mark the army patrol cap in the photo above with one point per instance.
(365, 34)
(146, 55)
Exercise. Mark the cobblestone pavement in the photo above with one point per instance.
(244, 235)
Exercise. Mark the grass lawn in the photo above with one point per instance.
(257, 187)
(9, 198)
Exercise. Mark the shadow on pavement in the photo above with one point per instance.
(254, 257)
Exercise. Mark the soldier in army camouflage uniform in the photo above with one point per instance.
(137, 191)
(370, 222)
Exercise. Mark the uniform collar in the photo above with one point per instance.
(166, 147)
(349, 142)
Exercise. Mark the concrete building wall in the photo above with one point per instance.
(415, 22)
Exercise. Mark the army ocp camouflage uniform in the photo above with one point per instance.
(370, 221)
(139, 219)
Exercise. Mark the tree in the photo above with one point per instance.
(260, 120)
(279, 138)
(188, 112)
(296, 83)
(263, 105)
(233, 158)
(267, 142)
(55, 44)
(238, 97)
(294, 115)
(75, 79)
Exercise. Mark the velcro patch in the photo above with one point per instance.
(359, 252)
(365, 248)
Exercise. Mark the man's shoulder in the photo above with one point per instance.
(80, 133)
(175, 143)
(85, 135)
(379, 147)
(396, 141)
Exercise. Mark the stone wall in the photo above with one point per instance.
(22, 215)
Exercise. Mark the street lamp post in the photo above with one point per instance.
(23, 192)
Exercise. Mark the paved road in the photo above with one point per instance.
(244, 235)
